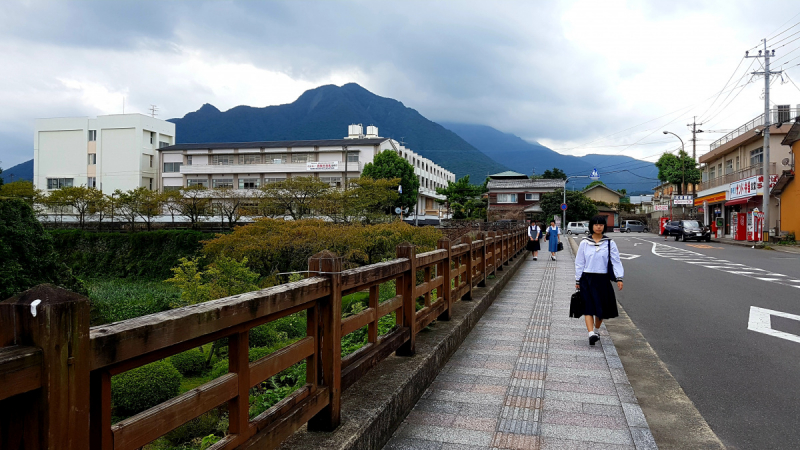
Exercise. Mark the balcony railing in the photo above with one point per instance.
(211, 169)
(778, 115)
(738, 175)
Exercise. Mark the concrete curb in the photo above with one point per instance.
(375, 406)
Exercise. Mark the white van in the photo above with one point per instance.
(577, 227)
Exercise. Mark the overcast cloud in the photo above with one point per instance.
(561, 73)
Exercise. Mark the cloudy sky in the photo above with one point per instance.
(579, 76)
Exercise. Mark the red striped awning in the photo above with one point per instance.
(742, 201)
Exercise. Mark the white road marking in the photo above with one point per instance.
(628, 256)
(710, 262)
(760, 322)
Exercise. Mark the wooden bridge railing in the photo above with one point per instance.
(55, 371)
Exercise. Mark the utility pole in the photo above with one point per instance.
(153, 110)
(694, 125)
(766, 73)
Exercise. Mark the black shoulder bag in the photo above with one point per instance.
(610, 267)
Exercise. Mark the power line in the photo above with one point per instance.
(779, 27)
(723, 87)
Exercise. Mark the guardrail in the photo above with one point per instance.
(778, 115)
(55, 371)
(738, 175)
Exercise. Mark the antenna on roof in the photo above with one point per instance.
(153, 110)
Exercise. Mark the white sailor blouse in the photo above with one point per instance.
(592, 257)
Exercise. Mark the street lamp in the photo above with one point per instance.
(683, 174)
(594, 177)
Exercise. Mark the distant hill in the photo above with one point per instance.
(526, 157)
(22, 171)
(325, 113)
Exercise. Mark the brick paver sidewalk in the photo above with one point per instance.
(526, 378)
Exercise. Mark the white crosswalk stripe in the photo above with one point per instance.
(710, 262)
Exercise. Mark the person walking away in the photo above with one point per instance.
(553, 236)
(597, 263)
(534, 233)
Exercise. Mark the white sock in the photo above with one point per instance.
(591, 333)
(596, 330)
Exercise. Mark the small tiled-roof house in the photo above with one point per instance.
(514, 196)
(602, 193)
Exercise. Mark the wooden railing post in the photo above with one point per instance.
(57, 321)
(445, 265)
(470, 267)
(483, 265)
(407, 284)
(495, 257)
(330, 342)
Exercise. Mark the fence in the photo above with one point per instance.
(55, 371)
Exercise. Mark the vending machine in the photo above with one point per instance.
(739, 226)
(755, 226)
(661, 223)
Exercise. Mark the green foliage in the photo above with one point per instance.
(555, 174)
(202, 428)
(580, 207)
(27, 255)
(294, 196)
(463, 199)
(266, 336)
(366, 200)
(21, 189)
(680, 169)
(113, 300)
(144, 387)
(147, 255)
(285, 246)
(189, 363)
(593, 184)
(389, 165)
(222, 278)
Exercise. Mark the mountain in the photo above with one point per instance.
(526, 157)
(22, 171)
(325, 113)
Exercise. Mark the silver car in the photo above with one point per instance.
(577, 227)
(632, 225)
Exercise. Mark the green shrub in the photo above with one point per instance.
(265, 335)
(27, 255)
(219, 369)
(190, 362)
(294, 326)
(122, 299)
(148, 254)
(208, 424)
(144, 387)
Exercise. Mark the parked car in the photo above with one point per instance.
(684, 230)
(578, 227)
(633, 225)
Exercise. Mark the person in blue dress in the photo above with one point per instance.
(553, 237)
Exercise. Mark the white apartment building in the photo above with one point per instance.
(249, 165)
(118, 151)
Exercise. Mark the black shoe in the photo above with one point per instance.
(593, 338)
(535, 258)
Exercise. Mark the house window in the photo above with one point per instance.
(249, 159)
(58, 183)
(300, 158)
(705, 176)
(162, 144)
(151, 160)
(737, 164)
(172, 188)
(222, 183)
(197, 182)
(223, 160)
(274, 180)
(249, 183)
(352, 157)
(728, 167)
(531, 197)
(152, 137)
(506, 198)
(92, 159)
(757, 156)
(332, 181)
(92, 135)
(150, 183)
(172, 167)
(712, 173)
(91, 182)
(188, 160)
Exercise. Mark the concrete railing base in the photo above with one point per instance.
(376, 405)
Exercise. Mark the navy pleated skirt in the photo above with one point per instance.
(598, 296)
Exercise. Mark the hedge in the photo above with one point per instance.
(146, 255)
(144, 387)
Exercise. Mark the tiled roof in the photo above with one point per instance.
(525, 184)
(604, 187)
(508, 173)
(276, 144)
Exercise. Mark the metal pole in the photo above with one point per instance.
(564, 211)
(765, 197)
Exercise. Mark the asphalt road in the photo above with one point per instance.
(692, 302)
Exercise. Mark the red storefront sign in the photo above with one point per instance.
(749, 186)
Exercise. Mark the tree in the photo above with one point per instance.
(79, 198)
(126, 207)
(1, 177)
(147, 203)
(295, 196)
(679, 169)
(623, 191)
(463, 199)
(555, 174)
(229, 201)
(579, 206)
(388, 165)
(193, 203)
(171, 201)
(594, 183)
(23, 190)
(366, 200)
(100, 206)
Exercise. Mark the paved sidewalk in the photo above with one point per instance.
(526, 378)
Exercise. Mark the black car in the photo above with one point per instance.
(684, 230)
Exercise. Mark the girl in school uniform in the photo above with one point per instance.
(597, 263)
(534, 234)
(553, 237)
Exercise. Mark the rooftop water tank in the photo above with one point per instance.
(355, 131)
(372, 131)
